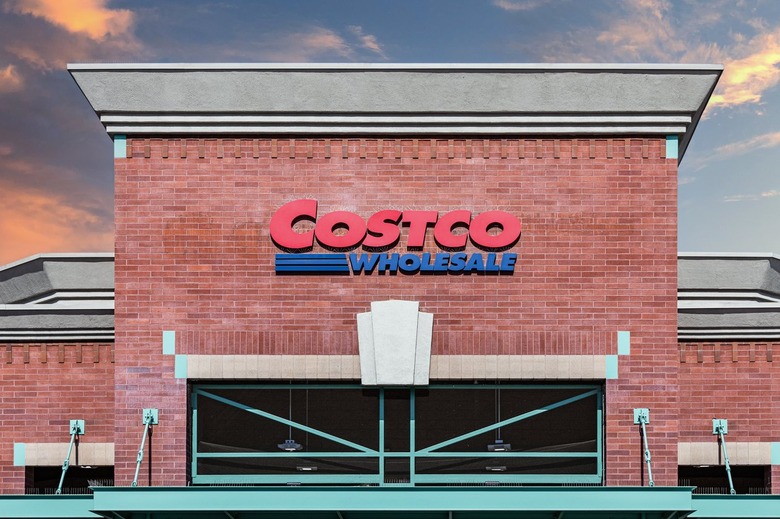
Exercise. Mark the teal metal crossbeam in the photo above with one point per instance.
(293, 477)
(508, 421)
(507, 454)
(288, 454)
(285, 421)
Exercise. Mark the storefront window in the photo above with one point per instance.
(442, 434)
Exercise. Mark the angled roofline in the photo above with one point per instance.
(58, 297)
(399, 99)
(55, 256)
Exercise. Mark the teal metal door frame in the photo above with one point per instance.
(413, 454)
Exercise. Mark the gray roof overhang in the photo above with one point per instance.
(588, 100)
(728, 297)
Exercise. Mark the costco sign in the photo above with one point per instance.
(342, 232)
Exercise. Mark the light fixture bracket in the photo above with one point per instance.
(77, 427)
(290, 445)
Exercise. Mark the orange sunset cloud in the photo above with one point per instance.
(91, 17)
(10, 79)
(47, 223)
(745, 79)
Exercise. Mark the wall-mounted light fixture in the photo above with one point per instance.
(76, 428)
(498, 445)
(150, 418)
(642, 418)
(289, 444)
(720, 428)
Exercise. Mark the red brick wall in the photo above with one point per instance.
(597, 255)
(43, 387)
(736, 381)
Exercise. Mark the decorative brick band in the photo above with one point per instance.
(727, 352)
(395, 149)
(314, 342)
(42, 353)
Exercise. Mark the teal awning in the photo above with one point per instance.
(743, 506)
(47, 506)
(391, 502)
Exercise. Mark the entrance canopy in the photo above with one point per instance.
(384, 502)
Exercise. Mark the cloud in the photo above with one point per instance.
(36, 43)
(739, 198)
(310, 44)
(665, 32)
(767, 140)
(752, 198)
(323, 40)
(10, 80)
(367, 41)
(304, 46)
(33, 57)
(48, 223)
(643, 31)
(686, 180)
(517, 5)
(753, 72)
(90, 17)
(750, 64)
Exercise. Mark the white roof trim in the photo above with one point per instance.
(728, 255)
(480, 67)
(730, 305)
(63, 305)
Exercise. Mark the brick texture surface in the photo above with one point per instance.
(43, 387)
(736, 381)
(597, 255)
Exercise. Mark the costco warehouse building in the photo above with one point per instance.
(369, 291)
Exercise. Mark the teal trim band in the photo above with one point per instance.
(775, 453)
(299, 387)
(672, 147)
(624, 343)
(304, 454)
(19, 454)
(120, 147)
(484, 501)
(47, 506)
(612, 367)
(728, 506)
(265, 479)
(481, 479)
(379, 454)
(169, 343)
(180, 366)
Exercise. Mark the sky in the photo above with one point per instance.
(56, 166)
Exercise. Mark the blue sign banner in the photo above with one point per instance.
(425, 263)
